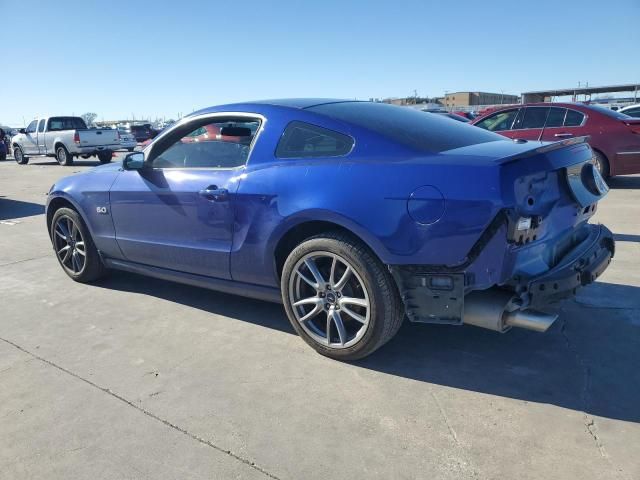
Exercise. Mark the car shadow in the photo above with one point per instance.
(587, 361)
(10, 209)
(624, 182)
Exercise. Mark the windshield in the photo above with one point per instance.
(407, 126)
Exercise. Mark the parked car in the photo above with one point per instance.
(63, 138)
(614, 137)
(631, 110)
(142, 132)
(352, 214)
(127, 139)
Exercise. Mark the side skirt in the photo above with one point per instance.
(258, 292)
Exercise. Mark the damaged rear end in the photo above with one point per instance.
(537, 249)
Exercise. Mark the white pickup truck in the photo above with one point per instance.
(63, 138)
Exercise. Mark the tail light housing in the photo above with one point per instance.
(76, 137)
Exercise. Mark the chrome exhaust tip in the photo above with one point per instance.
(530, 319)
(496, 310)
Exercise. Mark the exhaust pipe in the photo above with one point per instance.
(496, 310)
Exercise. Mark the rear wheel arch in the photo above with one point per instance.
(300, 232)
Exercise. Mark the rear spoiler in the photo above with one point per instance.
(549, 147)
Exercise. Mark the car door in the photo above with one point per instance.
(40, 139)
(563, 123)
(30, 145)
(177, 212)
(529, 123)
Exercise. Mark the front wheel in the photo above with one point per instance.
(104, 157)
(339, 297)
(74, 247)
(18, 156)
(63, 156)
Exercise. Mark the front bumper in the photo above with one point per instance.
(429, 301)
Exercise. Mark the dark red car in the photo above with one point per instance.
(614, 137)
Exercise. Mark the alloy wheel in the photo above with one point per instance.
(329, 300)
(17, 155)
(69, 245)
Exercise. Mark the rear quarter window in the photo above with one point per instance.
(412, 128)
(304, 140)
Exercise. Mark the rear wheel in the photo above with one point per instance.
(104, 157)
(339, 297)
(19, 157)
(63, 156)
(74, 247)
(601, 163)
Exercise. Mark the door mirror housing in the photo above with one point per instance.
(134, 161)
(22, 130)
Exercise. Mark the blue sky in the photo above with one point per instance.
(119, 58)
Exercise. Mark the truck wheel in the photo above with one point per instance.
(339, 297)
(63, 156)
(104, 157)
(19, 157)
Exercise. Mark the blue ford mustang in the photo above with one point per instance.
(354, 215)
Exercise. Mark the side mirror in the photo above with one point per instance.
(133, 161)
(22, 130)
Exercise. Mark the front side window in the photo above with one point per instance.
(32, 127)
(217, 144)
(499, 121)
(534, 117)
(41, 126)
(573, 118)
(303, 140)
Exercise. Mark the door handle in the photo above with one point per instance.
(212, 192)
(561, 135)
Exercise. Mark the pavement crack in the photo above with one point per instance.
(444, 416)
(149, 414)
(585, 397)
(24, 260)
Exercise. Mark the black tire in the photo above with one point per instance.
(63, 156)
(602, 164)
(93, 267)
(19, 156)
(386, 309)
(104, 157)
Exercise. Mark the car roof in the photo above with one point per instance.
(261, 105)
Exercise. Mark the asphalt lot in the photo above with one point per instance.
(140, 378)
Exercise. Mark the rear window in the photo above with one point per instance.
(573, 118)
(556, 117)
(409, 127)
(608, 112)
(302, 139)
(66, 123)
(534, 117)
